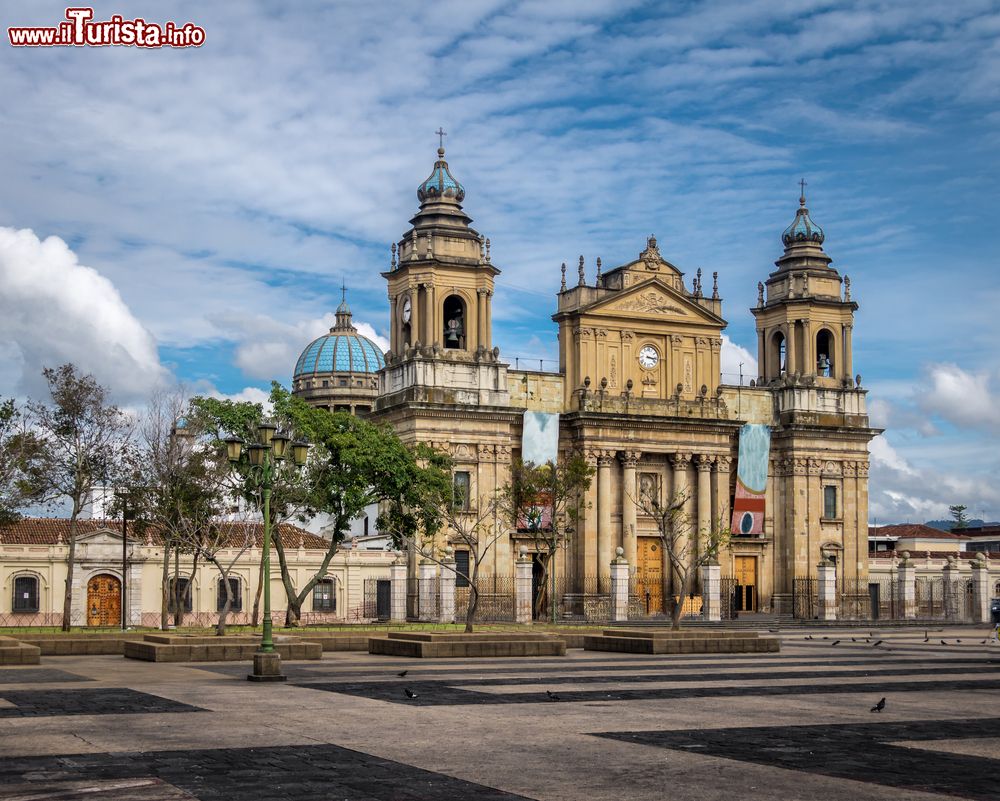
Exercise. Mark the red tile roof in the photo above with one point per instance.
(915, 530)
(55, 530)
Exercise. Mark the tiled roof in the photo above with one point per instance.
(55, 530)
(913, 530)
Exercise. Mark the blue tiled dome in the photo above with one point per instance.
(802, 229)
(440, 183)
(340, 351)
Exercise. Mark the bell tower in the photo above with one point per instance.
(440, 277)
(804, 311)
(440, 282)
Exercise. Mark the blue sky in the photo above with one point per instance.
(210, 201)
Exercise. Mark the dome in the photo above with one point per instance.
(340, 351)
(343, 350)
(440, 183)
(802, 229)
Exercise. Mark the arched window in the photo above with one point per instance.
(25, 594)
(454, 322)
(324, 596)
(824, 352)
(776, 358)
(236, 587)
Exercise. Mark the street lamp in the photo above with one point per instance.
(263, 457)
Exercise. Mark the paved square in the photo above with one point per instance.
(794, 725)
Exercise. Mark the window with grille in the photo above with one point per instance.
(324, 597)
(830, 502)
(462, 567)
(25, 594)
(462, 487)
(182, 586)
(236, 589)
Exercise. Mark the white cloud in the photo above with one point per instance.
(967, 399)
(731, 356)
(55, 310)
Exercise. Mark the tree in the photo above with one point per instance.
(547, 501)
(84, 439)
(353, 464)
(685, 553)
(958, 515)
(21, 462)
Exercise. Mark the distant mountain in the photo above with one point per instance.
(946, 525)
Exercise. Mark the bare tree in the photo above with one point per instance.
(687, 552)
(85, 442)
(547, 502)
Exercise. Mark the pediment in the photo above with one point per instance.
(654, 300)
(100, 536)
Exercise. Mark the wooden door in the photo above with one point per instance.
(104, 601)
(649, 574)
(745, 570)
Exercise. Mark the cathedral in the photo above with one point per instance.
(638, 393)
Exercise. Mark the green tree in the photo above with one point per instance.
(85, 440)
(21, 462)
(547, 502)
(957, 513)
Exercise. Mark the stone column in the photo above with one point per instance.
(433, 330)
(619, 586)
(704, 503)
(826, 573)
(397, 592)
(588, 545)
(604, 534)
(480, 318)
(848, 354)
(427, 572)
(489, 320)
(630, 460)
(446, 587)
(951, 575)
(522, 587)
(762, 364)
(791, 356)
(711, 591)
(679, 491)
(906, 588)
(980, 590)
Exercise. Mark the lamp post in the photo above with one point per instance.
(263, 457)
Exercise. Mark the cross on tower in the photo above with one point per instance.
(343, 291)
(802, 187)
(441, 135)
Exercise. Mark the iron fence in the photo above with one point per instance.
(495, 603)
(588, 602)
(727, 597)
(805, 598)
(645, 598)
(377, 604)
(930, 601)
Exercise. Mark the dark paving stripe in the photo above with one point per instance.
(441, 694)
(108, 701)
(37, 676)
(862, 752)
(334, 669)
(299, 772)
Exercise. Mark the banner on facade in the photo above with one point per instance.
(540, 438)
(751, 480)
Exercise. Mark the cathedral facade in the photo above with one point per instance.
(639, 394)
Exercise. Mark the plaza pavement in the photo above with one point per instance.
(794, 725)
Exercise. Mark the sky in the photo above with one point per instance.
(188, 215)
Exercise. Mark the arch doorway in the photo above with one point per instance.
(104, 600)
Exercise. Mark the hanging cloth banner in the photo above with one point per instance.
(751, 480)
(540, 438)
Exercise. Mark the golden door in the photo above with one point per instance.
(745, 572)
(104, 601)
(649, 574)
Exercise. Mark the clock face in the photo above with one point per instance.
(648, 357)
(406, 310)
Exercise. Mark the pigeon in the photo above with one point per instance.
(876, 644)
(409, 692)
(927, 639)
(402, 673)
(825, 637)
(957, 640)
(835, 642)
(809, 637)
(983, 642)
(943, 642)
(853, 640)
(879, 706)
(552, 696)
